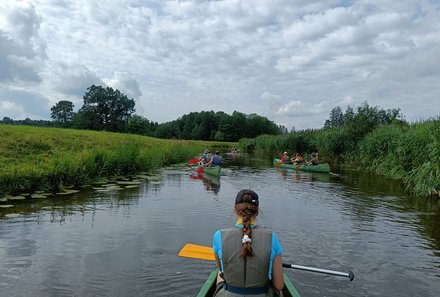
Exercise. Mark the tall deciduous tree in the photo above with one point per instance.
(62, 112)
(106, 109)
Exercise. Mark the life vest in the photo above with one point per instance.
(246, 275)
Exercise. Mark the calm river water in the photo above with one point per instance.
(125, 242)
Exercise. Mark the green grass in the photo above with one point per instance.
(49, 159)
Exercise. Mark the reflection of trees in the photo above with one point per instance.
(366, 193)
(428, 210)
(362, 193)
(430, 228)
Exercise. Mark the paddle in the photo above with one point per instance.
(202, 252)
(279, 163)
(200, 170)
(194, 161)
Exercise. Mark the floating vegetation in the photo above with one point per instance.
(12, 215)
(134, 182)
(39, 196)
(131, 186)
(6, 205)
(3, 199)
(67, 192)
(102, 190)
(16, 198)
(142, 176)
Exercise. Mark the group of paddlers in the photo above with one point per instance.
(208, 159)
(299, 160)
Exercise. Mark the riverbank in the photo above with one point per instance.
(52, 159)
(409, 153)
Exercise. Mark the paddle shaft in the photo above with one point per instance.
(350, 274)
(202, 252)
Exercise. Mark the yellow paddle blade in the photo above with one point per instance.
(190, 250)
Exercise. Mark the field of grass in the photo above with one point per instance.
(49, 159)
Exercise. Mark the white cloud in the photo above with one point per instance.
(126, 84)
(291, 108)
(267, 57)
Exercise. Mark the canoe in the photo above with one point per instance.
(209, 286)
(211, 170)
(324, 167)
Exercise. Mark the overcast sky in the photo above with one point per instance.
(291, 61)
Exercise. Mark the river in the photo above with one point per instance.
(117, 242)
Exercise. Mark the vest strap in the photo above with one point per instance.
(247, 291)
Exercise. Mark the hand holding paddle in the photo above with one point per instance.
(196, 251)
(194, 161)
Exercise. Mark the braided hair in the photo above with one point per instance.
(246, 208)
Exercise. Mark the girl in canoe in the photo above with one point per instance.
(285, 158)
(205, 158)
(248, 256)
(298, 161)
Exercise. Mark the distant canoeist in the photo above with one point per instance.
(216, 160)
(314, 160)
(298, 161)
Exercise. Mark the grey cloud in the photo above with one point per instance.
(20, 104)
(21, 49)
(75, 79)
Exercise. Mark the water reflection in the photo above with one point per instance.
(210, 182)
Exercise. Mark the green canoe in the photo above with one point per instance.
(314, 168)
(209, 286)
(211, 170)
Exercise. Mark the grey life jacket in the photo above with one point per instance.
(246, 272)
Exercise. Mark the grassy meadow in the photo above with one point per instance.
(51, 159)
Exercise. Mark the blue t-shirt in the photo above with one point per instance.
(276, 249)
(216, 160)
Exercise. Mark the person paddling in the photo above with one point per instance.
(205, 158)
(215, 160)
(285, 158)
(314, 160)
(298, 161)
(248, 256)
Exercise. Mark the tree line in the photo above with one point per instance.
(106, 109)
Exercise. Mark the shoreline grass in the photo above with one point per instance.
(409, 153)
(50, 159)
